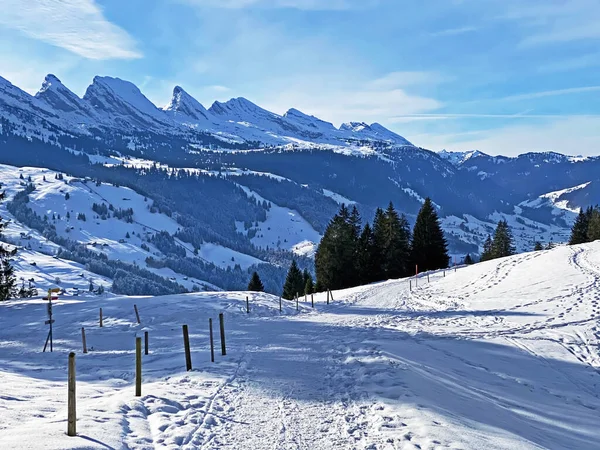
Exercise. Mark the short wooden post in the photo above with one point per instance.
(138, 366)
(328, 296)
(100, 317)
(305, 298)
(410, 285)
(428, 278)
(312, 300)
(331, 295)
(186, 344)
(137, 314)
(222, 329)
(444, 274)
(280, 303)
(297, 308)
(247, 305)
(83, 340)
(145, 342)
(212, 343)
(71, 404)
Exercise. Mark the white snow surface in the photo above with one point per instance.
(499, 355)
(554, 200)
(284, 229)
(338, 198)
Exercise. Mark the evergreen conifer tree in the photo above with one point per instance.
(593, 232)
(487, 253)
(392, 239)
(538, 246)
(503, 241)
(309, 287)
(8, 280)
(579, 231)
(294, 282)
(397, 254)
(335, 257)
(367, 261)
(255, 283)
(468, 259)
(379, 236)
(429, 247)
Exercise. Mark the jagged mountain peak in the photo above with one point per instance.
(308, 121)
(50, 81)
(184, 107)
(458, 158)
(375, 131)
(354, 126)
(124, 101)
(57, 96)
(239, 108)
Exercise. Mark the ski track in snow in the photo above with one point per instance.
(500, 355)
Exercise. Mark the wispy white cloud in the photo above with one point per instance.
(75, 25)
(547, 22)
(573, 63)
(352, 100)
(454, 31)
(403, 79)
(556, 134)
(552, 93)
(318, 5)
(524, 116)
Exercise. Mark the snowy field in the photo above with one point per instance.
(500, 355)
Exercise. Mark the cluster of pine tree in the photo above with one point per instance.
(351, 255)
(501, 245)
(297, 283)
(7, 272)
(586, 227)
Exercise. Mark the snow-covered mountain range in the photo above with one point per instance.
(118, 105)
(249, 187)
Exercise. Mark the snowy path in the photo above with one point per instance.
(502, 355)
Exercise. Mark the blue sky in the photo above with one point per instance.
(501, 76)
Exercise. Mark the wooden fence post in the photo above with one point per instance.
(331, 295)
(100, 317)
(137, 314)
(410, 285)
(428, 278)
(212, 343)
(83, 340)
(247, 305)
(312, 300)
(305, 298)
(186, 344)
(71, 404)
(328, 296)
(145, 342)
(138, 366)
(280, 303)
(297, 308)
(222, 329)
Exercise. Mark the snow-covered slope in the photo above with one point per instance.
(284, 228)
(118, 239)
(500, 355)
